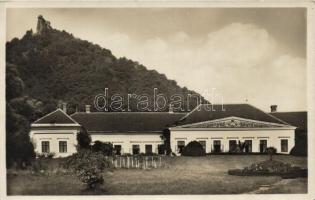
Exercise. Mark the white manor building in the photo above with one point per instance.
(217, 128)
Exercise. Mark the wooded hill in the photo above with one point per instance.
(57, 67)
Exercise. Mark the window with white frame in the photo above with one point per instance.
(284, 145)
(62, 146)
(45, 147)
(148, 148)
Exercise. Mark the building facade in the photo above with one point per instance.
(218, 129)
(230, 127)
(55, 133)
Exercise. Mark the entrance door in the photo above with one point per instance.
(262, 146)
(216, 146)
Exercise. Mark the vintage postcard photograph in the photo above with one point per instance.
(156, 101)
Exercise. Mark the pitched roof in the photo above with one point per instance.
(298, 119)
(124, 122)
(206, 112)
(56, 117)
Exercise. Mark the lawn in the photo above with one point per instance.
(181, 175)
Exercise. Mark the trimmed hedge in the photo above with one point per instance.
(193, 148)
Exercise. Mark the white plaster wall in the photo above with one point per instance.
(273, 138)
(126, 140)
(54, 136)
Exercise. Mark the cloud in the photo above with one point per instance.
(179, 37)
(239, 60)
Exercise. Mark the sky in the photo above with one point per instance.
(238, 55)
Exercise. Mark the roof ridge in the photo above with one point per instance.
(48, 114)
(53, 112)
(69, 116)
(270, 115)
(188, 113)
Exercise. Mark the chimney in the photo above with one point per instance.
(170, 109)
(87, 108)
(273, 108)
(64, 107)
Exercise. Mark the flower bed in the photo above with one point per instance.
(270, 168)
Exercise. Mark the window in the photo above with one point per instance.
(284, 145)
(161, 149)
(203, 144)
(232, 146)
(135, 149)
(117, 149)
(180, 146)
(262, 146)
(248, 146)
(148, 148)
(216, 146)
(63, 146)
(45, 147)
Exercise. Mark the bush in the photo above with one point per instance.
(105, 147)
(45, 155)
(271, 151)
(89, 166)
(39, 165)
(84, 139)
(193, 148)
(270, 168)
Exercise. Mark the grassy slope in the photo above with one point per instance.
(182, 175)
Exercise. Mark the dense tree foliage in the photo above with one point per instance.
(20, 110)
(84, 139)
(105, 147)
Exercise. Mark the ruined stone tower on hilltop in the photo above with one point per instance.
(42, 25)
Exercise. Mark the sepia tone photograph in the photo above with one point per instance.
(156, 101)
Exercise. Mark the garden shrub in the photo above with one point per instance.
(105, 147)
(84, 139)
(89, 166)
(39, 165)
(271, 151)
(193, 148)
(45, 155)
(270, 168)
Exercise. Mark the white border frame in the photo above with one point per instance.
(309, 4)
